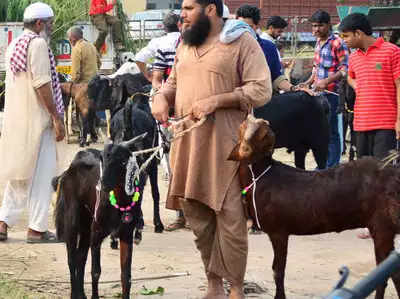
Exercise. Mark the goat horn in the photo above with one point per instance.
(132, 141)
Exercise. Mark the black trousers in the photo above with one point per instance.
(376, 143)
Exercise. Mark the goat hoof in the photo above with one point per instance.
(138, 237)
(114, 244)
(159, 228)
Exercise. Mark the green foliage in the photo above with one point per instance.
(66, 13)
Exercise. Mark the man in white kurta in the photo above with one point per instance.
(31, 127)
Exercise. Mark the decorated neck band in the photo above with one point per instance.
(135, 198)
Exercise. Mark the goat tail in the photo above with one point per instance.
(60, 208)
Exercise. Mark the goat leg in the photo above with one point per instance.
(279, 245)
(383, 243)
(95, 246)
(153, 174)
(126, 247)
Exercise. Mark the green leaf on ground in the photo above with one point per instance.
(146, 291)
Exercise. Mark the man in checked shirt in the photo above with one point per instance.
(330, 66)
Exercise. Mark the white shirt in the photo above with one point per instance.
(165, 54)
(148, 52)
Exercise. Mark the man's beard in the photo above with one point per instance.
(198, 32)
(45, 34)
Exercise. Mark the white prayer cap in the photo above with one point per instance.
(38, 10)
(226, 13)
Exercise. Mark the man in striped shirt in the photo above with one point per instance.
(374, 73)
(165, 54)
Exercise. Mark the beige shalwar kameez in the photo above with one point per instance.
(27, 130)
(204, 183)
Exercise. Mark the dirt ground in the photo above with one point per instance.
(312, 269)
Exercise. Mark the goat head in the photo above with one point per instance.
(256, 140)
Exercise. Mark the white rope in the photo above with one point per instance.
(254, 183)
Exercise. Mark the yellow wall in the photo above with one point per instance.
(132, 6)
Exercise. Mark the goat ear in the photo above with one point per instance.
(234, 156)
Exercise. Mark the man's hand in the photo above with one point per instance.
(397, 129)
(58, 128)
(305, 89)
(160, 108)
(321, 85)
(203, 108)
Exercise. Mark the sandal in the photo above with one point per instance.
(46, 237)
(364, 234)
(3, 233)
(178, 224)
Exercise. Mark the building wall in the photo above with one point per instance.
(163, 4)
(132, 6)
(291, 8)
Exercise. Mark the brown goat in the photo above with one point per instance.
(86, 107)
(291, 201)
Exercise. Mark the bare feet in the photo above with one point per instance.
(236, 292)
(215, 287)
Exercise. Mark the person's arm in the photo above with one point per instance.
(256, 88)
(164, 98)
(352, 82)
(38, 59)
(98, 60)
(144, 55)
(45, 96)
(76, 57)
(351, 75)
(397, 82)
(157, 79)
(342, 55)
(396, 76)
(159, 67)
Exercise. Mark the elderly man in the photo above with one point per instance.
(32, 124)
(219, 83)
(84, 57)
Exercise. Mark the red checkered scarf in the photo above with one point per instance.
(18, 63)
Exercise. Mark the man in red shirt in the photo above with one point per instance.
(101, 20)
(374, 73)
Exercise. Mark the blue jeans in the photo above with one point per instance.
(334, 152)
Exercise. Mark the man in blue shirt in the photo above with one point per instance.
(251, 15)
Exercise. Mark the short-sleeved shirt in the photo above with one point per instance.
(271, 54)
(375, 72)
(148, 52)
(165, 54)
(330, 57)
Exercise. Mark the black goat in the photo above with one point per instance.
(87, 211)
(300, 123)
(133, 119)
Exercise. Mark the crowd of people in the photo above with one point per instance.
(214, 68)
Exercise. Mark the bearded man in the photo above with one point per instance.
(32, 125)
(219, 82)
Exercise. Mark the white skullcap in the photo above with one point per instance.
(226, 13)
(38, 10)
